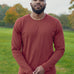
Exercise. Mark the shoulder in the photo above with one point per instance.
(56, 22)
(51, 18)
(20, 22)
(22, 19)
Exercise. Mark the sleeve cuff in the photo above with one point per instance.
(45, 67)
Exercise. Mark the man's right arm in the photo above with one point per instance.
(16, 48)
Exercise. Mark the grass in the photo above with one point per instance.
(8, 64)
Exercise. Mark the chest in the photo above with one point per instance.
(40, 28)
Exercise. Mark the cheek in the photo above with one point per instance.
(43, 5)
(33, 4)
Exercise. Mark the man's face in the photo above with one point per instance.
(38, 6)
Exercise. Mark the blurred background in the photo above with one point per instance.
(10, 10)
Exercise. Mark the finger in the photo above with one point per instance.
(33, 72)
(37, 72)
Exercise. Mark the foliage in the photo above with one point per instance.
(72, 5)
(3, 9)
(20, 10)
(71, 16)
(65, 21)
(15, 12)
(11, 15)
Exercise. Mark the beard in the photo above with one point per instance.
(38, 11)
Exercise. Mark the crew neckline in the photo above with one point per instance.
(38, 20)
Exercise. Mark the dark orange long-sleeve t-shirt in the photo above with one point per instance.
(32, 43)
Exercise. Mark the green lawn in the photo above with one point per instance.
(8, 64)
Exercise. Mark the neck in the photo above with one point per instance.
(37, 16)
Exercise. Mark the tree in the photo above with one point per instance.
(20, 10)
(72, 6)
(71, 16)
(65, 21)
(11, 15)
(15, 12)
(3, 9)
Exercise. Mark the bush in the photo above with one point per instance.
(4, 24)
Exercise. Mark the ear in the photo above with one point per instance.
(45, 3)
(30, 3)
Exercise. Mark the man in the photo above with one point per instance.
(32, 41)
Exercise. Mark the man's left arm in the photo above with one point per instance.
(59, 45)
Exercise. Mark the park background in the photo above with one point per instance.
(8, 16)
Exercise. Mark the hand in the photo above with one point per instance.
(39, 70)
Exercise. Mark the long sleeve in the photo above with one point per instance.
(59, 45)
(16, 47)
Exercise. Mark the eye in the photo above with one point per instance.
(34, 0)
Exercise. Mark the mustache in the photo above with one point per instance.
(38, 4)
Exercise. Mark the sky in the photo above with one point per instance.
(53, 6)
